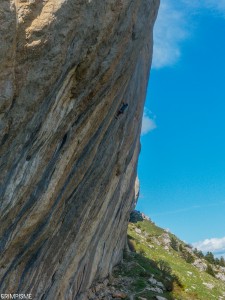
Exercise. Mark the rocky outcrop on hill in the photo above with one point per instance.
(69, 148)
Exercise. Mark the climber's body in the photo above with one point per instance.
(122, 109)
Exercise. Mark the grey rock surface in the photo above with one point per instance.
(68, 166)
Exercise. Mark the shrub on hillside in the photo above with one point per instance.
(164, 267)
(181, 248)
(174, 244)
(210, 258)
(170, 280)
(177, 280)
(198, 253)
(145, 274)
(189, 258)
(148, 240)
(135, 216)
(189, 246)
(210, 271)
(142, 252)
(222, 261)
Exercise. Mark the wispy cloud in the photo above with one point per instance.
(148, 122)
(174, 25)
(185, 209)
(216, 245)
(176, 211)
(170, 30)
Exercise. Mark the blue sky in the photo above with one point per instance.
(182, 162)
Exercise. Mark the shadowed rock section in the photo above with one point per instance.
(68, 165)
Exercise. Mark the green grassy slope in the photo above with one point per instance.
(159, 259)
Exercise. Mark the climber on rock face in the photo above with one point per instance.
(122, 109)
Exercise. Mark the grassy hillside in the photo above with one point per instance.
(158, 265)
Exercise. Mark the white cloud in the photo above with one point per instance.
(170, 30)
(212, 245)
(175, 23)
(148, 123)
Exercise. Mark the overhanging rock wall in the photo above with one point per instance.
(68, 166)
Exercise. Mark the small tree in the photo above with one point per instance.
(135, 216)
(198, 253)
(210, 258)
(210, 271)
(217, 261)
(174, 244)
(222, 261)
(189, 246)
(189, 258)
(164, 267)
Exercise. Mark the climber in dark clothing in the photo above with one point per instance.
(122, 109)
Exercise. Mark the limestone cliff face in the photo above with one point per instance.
(68, 166)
